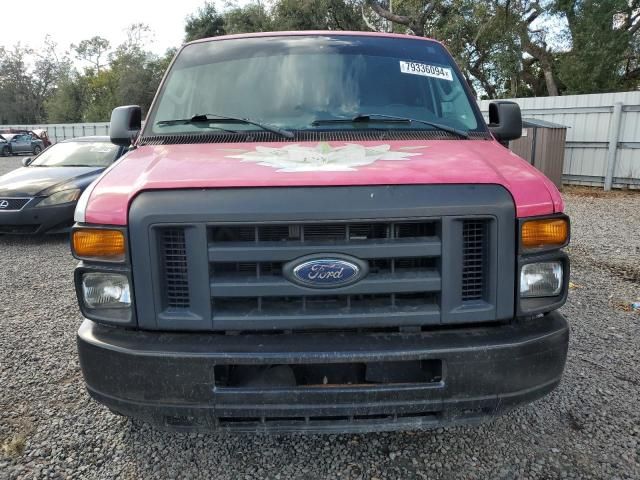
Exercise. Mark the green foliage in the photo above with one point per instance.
(206, 22)
(27, 78)
(317, 15)
(253, 17)
(92, 50)
(130, 76)
(599, 49)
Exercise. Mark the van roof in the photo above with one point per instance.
(311, 32)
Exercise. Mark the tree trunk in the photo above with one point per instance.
(552, 87)
(545, 59)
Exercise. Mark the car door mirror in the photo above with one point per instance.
(505, 121)
(125, 126)
(27, 161)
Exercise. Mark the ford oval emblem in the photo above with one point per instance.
(326, 271)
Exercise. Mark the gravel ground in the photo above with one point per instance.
(588, 428)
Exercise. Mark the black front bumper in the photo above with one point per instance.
(38, 220)
(168, 378)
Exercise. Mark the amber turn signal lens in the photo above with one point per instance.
(545, 233)
(98, 244)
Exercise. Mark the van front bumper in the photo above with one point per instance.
(168, 378)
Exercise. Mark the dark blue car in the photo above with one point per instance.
(41, 196)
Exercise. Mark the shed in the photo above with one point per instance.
(542, 145)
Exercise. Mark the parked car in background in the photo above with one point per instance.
(41, 196)
(4, 146)
(42, 135)
(21, 143)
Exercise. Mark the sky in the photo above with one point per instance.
(70, 21)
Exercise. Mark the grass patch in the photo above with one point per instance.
(14, 447)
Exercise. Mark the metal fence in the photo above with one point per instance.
(603, 138)
(63, 131)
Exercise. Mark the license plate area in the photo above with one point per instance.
(329, 375)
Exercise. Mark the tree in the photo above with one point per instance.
(206, 22)
(130, 75)
(411, 14)
(253, 17)
(601, 57)
(318, 15)
(93, 51)
(15, 86)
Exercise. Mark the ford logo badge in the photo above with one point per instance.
(325, 271)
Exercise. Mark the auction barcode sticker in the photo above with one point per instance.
(425, 70)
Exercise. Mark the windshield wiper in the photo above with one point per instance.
(379, 117)
(212, 118)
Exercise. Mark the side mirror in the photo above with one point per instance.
(27, 161)
(505, 121)
(126, 123)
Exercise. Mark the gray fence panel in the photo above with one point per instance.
(591, 123)
(63, 131)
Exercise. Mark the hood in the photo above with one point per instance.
(35, 181)
(317, 164)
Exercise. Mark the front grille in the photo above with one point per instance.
(428, 256)
(473, 259)
(12, 204)
(248, 284)
(175, 269)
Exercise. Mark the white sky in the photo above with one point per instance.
(70, 21)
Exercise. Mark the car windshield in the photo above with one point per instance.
(84, 154)
(313, 82)
(9, 136)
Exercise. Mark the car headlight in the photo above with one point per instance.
(542, 279)
(105, 296)
(106, 290)
(58, 198)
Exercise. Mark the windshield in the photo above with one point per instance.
(77, 154)
(299, 82)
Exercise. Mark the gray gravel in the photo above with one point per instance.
(588, 428)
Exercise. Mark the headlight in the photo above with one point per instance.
(542, 279)
(105, 291)
(65, 196)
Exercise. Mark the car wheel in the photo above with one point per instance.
(5, 151)
(37, 149)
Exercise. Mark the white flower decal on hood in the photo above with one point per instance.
(323, 157)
